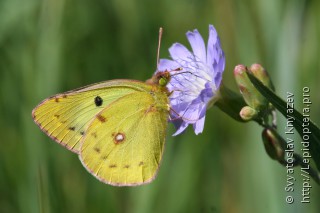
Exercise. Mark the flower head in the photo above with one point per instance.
(195, 79)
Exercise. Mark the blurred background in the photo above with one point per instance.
(51, 46)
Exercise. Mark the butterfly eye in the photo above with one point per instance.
(163, 81)
(98, 101)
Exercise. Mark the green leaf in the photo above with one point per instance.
(281, 105)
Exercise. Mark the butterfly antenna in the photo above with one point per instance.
(159, 44)
(179, 116)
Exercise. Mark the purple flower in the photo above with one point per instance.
(195, 79)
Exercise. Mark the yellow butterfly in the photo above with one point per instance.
(117, 127)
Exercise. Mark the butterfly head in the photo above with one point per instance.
(160, 78)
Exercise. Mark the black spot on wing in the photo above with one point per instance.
(98, 101)
(97, 149)
(72, 128)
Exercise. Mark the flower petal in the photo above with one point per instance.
(217, 79)
(180, 126)
(180, 53)
(199, 125)
(207, 93)
(211, 50)
(166, 64)
(219, 68)
(197, 44)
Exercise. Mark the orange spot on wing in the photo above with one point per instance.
(101, 118)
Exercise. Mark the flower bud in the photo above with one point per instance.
(273, 143)
(250, 94)
(260, 73)
(247, 113)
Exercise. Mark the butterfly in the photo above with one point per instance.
(117, 127)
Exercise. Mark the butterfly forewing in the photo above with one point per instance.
(124, 143)
(65, 117)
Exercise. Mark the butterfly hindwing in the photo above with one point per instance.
(124, 143)
(65, 117)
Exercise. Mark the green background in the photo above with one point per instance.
(51, 46)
